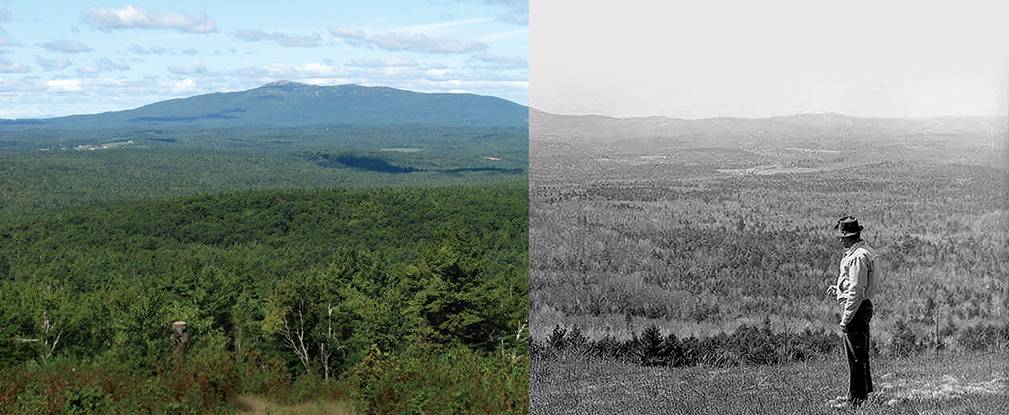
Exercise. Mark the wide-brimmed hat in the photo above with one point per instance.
(848, 226)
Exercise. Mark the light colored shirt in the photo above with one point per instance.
(857, 279)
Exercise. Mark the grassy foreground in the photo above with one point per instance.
(949, 384)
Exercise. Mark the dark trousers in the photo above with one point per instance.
(856, 347)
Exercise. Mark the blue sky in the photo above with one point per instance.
(73, 57)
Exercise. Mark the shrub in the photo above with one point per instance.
(459, 380)
(747, 345)
(575, 339)
(86, 400)
(556, 338)
(984, 337)
(649, 348)
(905, 341)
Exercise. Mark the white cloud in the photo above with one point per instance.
(491, 61)
(190, 51)
(66, 46)
(107, 64)
(421, 43)
(132, 17)
(516, 11)
(437, 73)
(7, 66)
(409, 41)
(141, 50)
(103, 65)
(494, 37)
(326, 81)
(183, 86)
(385, 62)
(7, 40)
(434, 27)
(6, 16)
(63, 85)
(282, 39)
(303, 71)
(347, 33)
(196, 67)
(54, 64)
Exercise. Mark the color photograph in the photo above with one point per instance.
(263, 208)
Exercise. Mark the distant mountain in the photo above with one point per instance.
(828, 129)
(291, 104)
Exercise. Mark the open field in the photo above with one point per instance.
(950, 384)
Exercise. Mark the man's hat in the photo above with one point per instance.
(848, 226)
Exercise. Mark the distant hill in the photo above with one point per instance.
(291, 104)
(826, 129)
(796, 141)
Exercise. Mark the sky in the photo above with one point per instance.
(897, 58)
(77, 57)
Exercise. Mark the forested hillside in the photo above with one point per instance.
(288, 104)
(723, 242)
(395, 298)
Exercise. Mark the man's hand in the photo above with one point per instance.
(831, 290)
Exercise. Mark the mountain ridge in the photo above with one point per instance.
(291, 104)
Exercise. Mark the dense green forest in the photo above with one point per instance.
(396, 298)
(30, 182)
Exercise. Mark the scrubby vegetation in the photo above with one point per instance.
(747, 345)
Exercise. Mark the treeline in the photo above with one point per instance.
(398, 299)
(747, 345)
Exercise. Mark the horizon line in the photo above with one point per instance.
(738, 117)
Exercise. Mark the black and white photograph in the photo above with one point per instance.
(768, 207)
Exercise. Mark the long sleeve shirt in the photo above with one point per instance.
(857, 279)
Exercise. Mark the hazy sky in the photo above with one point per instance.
(762, 58)
(64, 57)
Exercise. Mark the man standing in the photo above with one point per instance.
(855, 285)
